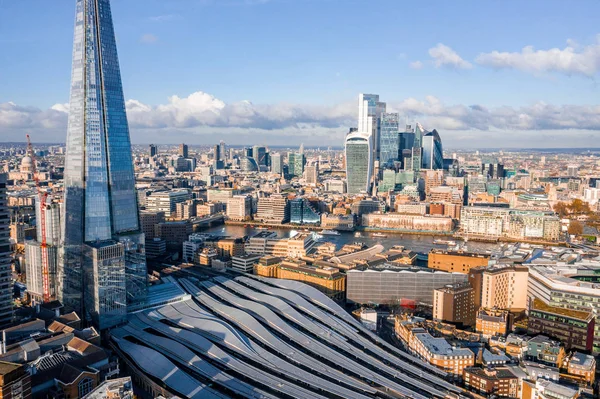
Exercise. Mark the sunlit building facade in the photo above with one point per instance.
(100, 207)
(389, 139)
(358, 162)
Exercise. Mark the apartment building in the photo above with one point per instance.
(505, 287)
(455, 304)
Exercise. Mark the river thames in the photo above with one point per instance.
(420, 244)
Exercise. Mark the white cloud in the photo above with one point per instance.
(207, 117)
(203, 109)
(148, 38)
(444, 56)
(416, 65)
(572, 60)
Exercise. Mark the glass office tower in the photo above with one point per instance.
(358, 162)
(433, 153)
(100, 207)
(389, 138)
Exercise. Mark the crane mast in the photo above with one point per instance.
(42, 197)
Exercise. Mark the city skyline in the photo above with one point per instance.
(511, 95)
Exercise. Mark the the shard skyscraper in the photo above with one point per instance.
(102, 266)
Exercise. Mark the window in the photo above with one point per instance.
(85, 386)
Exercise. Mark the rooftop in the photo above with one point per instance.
(574, 314)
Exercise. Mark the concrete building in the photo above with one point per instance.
(239, 208)
(574, 328)
(149, 219)
(165, 201)
(174, 233)
(397, 221)
(564, 286)
(312, 174)
(337, 222)
(328, 280)
(221, 194)
(267, 243)
(455, 304)
(15, 381)
(505, 287)
(273, 209)
(245, 263)
(495, 223)
(456, 261)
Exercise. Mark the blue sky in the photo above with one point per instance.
(287, 71)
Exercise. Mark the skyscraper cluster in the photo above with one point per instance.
(379, 142)
(102, 264)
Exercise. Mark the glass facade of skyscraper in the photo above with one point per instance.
(301, 212)
(358, 162)
(296, 163)
(100, 200)
(389, 138)
(433, 153)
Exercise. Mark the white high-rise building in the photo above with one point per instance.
(359, 165)
(370, 110)
(362, 146)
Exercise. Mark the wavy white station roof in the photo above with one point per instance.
(321, 350)
(264, 339)
(303, 296)
(158, 366)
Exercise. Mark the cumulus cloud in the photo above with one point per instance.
(203, 109)
(208, 117)
(444, 56)
(572, 60)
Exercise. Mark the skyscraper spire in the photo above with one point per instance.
(101, 240)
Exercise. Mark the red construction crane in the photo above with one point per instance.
(42, 196)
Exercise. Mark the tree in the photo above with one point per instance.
(561, 209)
(575, 228)
(579, 207)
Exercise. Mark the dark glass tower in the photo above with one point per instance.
(103, 265)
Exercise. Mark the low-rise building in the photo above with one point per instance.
(499, 381)
(544, 350)
(244, 263)
(337, 222)
(328, 280)
(436, 351)
(398, 221)
(544, 389)
(581, 367)
(491, 322)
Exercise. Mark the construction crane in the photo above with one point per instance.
(42, 197)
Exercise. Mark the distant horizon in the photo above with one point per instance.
(336, 148)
